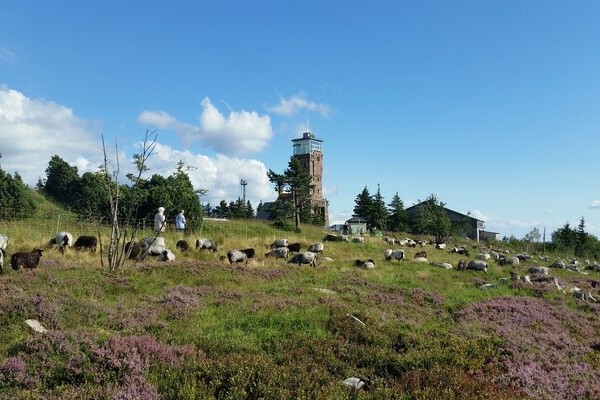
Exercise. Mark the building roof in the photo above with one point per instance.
(415, 206)
(357, 220)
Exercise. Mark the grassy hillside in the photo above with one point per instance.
(199, 328)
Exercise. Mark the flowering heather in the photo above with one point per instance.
(135, 387)
(544, 347)
(179, 299)
(136, 353)
(12, 371)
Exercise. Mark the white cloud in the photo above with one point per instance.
(239, 133)
(595, 205)
(33, 130)
(297, 103)
(220, 175)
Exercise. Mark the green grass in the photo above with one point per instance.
(261, 330)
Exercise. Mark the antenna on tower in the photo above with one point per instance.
(243, 183)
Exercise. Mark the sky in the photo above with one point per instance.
(493, 106)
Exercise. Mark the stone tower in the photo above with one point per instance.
(309, 150)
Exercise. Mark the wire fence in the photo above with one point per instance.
(47, 223)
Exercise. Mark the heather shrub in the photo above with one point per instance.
(544, 346)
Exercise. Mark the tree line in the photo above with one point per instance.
(88, 196)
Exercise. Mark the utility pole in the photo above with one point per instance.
(544, 242)
(243, 183)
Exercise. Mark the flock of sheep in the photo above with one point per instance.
(291, 252)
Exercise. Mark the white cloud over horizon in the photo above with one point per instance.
(220, 175)
(297, 103)
(34, 130)
(239, 133)
(595, 205)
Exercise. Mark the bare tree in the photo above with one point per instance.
(123, 225)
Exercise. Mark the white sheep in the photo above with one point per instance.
(369, 264)
(64, 240)
(477, 265)
(3, 242)
(279, 243)
(390, 254)
(305, 257)
(316, 248)
(279, 252)
(236, 256)
(167, 255)
(153, 246)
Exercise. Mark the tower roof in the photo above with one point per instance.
(307, 136)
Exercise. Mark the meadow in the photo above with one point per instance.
(199, 328)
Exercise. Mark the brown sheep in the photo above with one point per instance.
(26, 260)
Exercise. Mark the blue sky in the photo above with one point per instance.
(492, 105)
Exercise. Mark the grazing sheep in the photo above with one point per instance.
(280, 252)
(86, 242)
(358, 239)
(236, 256)
(390, 255)
(316, 248)
(477, 265)
(369, 264)
(133, 249)
(206, 244)
(358, 383)
(26, 260)
(2, 255)
(513, 261)
(305, 257)
(484, 256)
(440, 246)
(420, 259)
(420, 254)
(167, 255)
(294, 247)
(250, 252)
(279, 243)
(460, 250)
(538, 270)
(389, 240)
(442, 265)
(3, 242)
(582, 294)
(182, 245)
(63, 239)
(335, 238)
(153, 246)
(462, 264)
(558, 264)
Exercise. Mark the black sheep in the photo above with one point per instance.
(26, 260)
(86, 242)
(182, 245)
(250, 253)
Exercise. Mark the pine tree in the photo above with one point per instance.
(398, 219)
(379, 214)
(363, 204)
(61, 179)
(580, 239)
(294, 187)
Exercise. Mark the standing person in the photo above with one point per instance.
(180, 221)
(160, 223)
